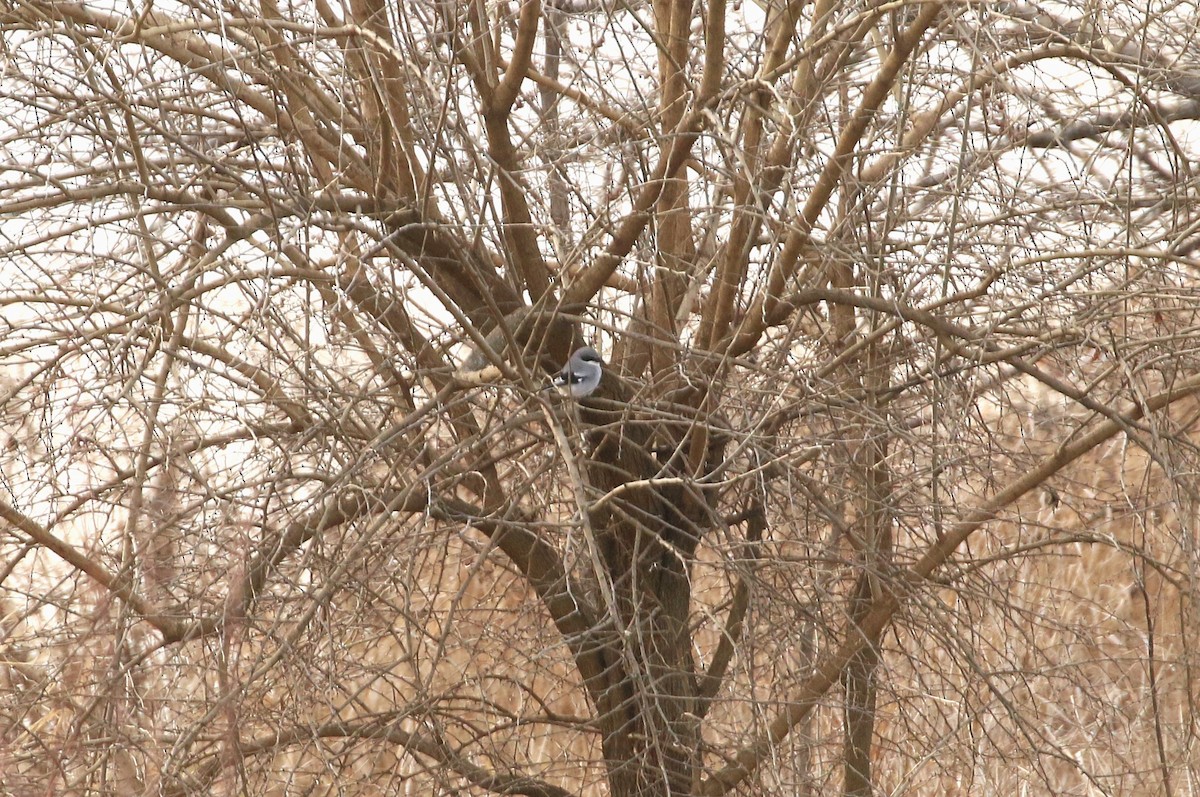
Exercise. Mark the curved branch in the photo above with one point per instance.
(120, 586)
(381, 729)
(542, 567)
(953, 336)
(594, 277)
(710, 682)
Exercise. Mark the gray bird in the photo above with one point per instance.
(581, 375)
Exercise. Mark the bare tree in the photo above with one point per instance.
(889, 485)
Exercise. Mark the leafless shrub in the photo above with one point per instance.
(889, 487)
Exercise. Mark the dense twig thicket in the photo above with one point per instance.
(890, 485)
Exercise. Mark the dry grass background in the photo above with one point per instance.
(1033, 673)
(1026, 670)
(1016, 163)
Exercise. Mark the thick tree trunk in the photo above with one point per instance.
(859, 719)
(647, 537)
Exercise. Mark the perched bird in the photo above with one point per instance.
(581, 375)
